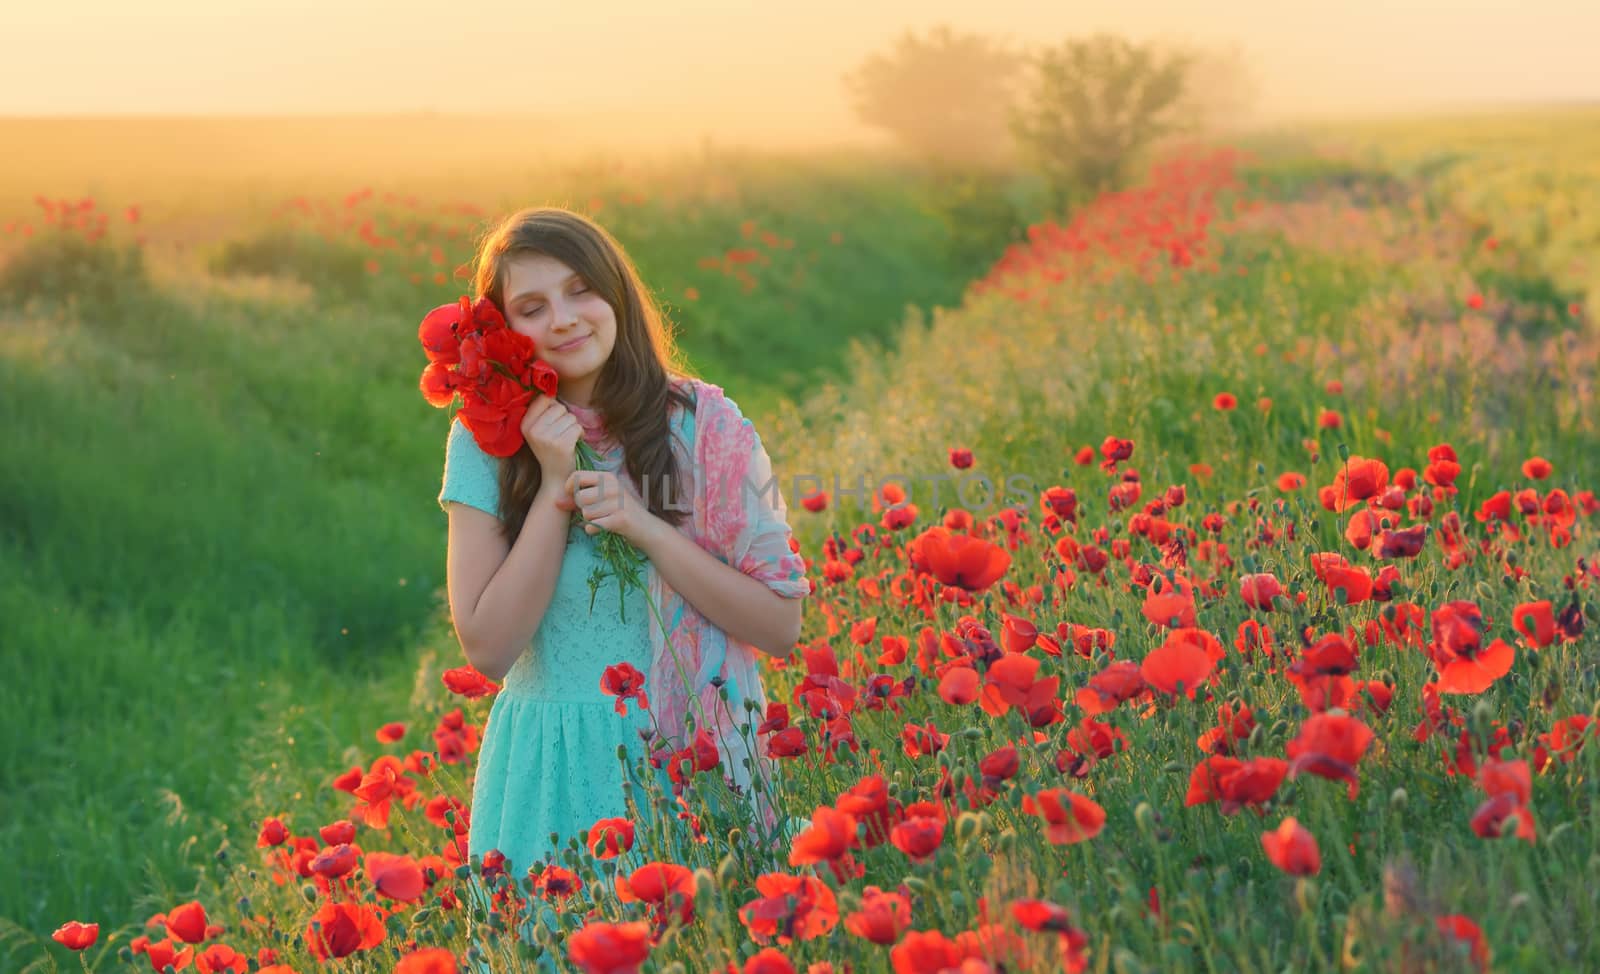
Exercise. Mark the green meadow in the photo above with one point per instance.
(227, 563)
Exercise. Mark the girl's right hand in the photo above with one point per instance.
(552, 432)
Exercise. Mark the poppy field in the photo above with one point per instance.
(1212, 588)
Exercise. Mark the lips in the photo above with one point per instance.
(572, 344)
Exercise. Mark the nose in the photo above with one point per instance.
(565, 315)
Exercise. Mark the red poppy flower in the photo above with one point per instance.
(1186, 659)
(790, 908)
(187, 922)
(395, 876)
(1116, 683)
(273, 833)
(768, 960)
(919, 837)
(610, 837)
(1252, 636)
(868, 800)
(625, 682)
(1069, 817)
(75, 935)
(1235, 783)
(1330, 746)
(1060, 501)
(1536, 621)
(1509, 785)
(1465, 665)
(1292, 848)
(341, 929)
(926, 952)
(920, 740)
(787, 743)
(466, 681)
(883, 916)
(667, 886)
(556, 883)
(610, 948)
(1018, 635)
(999, 765)
(1170, 603)
(958, 560)
(336, 861)
(959, 685)
(1464, 930)
(1359, 479)
(1403, 543)
(830, 836)
(1258, 591)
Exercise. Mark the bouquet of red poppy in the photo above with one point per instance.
(496, 370)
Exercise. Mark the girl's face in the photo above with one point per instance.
(570, 323)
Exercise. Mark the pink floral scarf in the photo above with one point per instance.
(739, 516)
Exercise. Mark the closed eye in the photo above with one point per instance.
(535, 309)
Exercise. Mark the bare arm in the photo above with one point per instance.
(740, 605)
(499, 592)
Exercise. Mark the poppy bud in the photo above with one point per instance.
(1397, 799)
(1482, 717)
(967, 827)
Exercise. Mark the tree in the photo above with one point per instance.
(1094, 104)
(947, 97)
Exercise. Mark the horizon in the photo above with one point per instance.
(734, 73)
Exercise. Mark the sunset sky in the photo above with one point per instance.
(756, 71)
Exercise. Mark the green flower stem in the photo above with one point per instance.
(623, 561)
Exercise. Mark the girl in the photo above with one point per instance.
(683, 477)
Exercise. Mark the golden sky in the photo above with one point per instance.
(764, 71)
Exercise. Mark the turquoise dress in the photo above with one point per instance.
(548, 758)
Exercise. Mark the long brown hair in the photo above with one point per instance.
(638, 383)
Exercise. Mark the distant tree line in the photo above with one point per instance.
(1074, 117)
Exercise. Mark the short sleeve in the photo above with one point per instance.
(471, 476)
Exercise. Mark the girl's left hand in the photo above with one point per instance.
(610, 502)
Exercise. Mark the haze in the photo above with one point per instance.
(751, 73)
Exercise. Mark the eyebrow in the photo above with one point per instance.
(564, 281)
